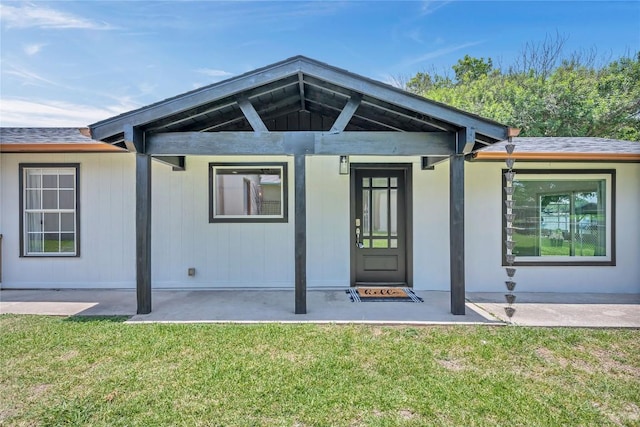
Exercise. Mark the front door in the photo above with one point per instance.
(379, 225)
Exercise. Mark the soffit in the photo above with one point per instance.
(298, 94)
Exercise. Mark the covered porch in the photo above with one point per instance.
(297, 109)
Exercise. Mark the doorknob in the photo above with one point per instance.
(359, 244)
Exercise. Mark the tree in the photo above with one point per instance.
(545, 95)
(469, 68)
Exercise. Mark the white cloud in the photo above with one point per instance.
(438, 53)
(32, 49)
(216, 74)
(27, 77)
(43, 113)
(36, 16)
(431, 6)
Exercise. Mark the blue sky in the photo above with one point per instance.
(69, 63)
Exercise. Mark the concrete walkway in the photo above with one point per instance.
(577, 310)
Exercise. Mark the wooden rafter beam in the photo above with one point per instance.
(303, 103)
(346, 114)
(358, 116)
(252, 115)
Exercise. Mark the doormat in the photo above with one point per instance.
(382, 294)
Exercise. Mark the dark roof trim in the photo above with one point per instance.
(108, 128)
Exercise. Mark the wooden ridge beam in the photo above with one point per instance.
(290, 143)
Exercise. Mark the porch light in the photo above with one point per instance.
(344, 165)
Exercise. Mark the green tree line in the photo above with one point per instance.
(543, 93)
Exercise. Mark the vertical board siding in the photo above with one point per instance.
(225, 255)
(262, 255)
(107, 196)
(484, 241)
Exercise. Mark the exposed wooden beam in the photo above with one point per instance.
(303, 104)
(466, 140)
(245, 82)
(287, 143)
(346, 114)
(143, 233)
(429, 162)
(176, 162)
(385, 143)
(252, 115)
(403, 99)
(325, 106)
(133, 139)
(456, 233)
(300, 235)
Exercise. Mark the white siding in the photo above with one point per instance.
(483, 218)
(107, 232)
(261, 255)
(225, 255)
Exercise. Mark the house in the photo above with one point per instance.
(301, 175)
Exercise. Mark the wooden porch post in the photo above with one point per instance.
(143, 232)
(456, 232)
(300, 235)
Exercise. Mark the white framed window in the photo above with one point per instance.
(563, 217)
(247, 192)
(49, 210)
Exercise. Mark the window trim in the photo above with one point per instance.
(570, 261)
(283, 218)
(21, 183)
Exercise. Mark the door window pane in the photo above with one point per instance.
(380, 217)
(393, 211)
(380, 182)
(366, 212)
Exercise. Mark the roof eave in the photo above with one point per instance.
(298, 64)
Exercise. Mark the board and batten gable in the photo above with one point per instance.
(483, 216)
(107, 234)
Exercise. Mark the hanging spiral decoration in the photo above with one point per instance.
(510, 217)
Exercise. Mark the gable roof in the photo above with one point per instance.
(298, 93)
(19, 140)
(564, 148)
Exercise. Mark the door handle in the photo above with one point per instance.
(359, 244)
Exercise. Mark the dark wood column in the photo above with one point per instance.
(300, 235)
(456, 232)
(143, 232)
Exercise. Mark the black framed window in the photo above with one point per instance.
(562, 217)
(49, 210)
(248, 192)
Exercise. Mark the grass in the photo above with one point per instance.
(526, 245)
(100, 371)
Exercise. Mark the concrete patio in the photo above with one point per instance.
(330, 306)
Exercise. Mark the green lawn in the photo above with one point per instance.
(56, 371)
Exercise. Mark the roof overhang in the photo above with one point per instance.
(563, 149)
(52, 140)
(298, 94)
